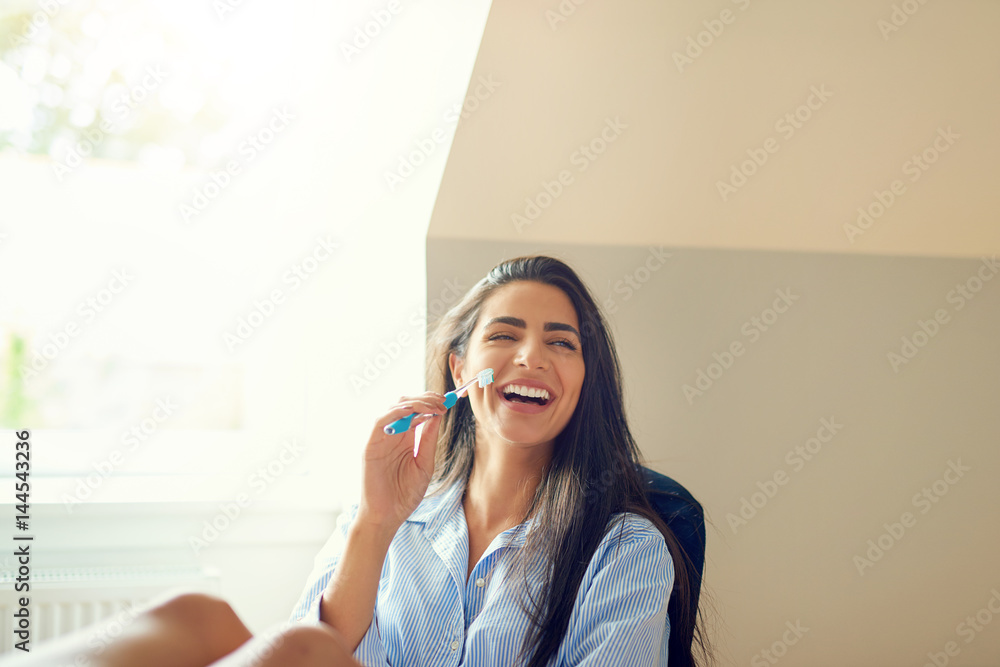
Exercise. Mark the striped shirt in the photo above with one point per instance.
(428, 613)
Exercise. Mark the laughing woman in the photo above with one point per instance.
(519, 534)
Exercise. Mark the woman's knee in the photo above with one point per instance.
(305, 645)
(191, 608)
(205, 618)
(187, 604)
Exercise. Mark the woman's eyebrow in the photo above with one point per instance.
(520, 324)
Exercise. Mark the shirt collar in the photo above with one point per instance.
(434, 510)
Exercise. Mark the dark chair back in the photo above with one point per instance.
(685, 517)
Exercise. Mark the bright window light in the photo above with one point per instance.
(200, 255)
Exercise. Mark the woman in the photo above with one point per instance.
(527, 550)
(536, 545)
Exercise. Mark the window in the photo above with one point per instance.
(184, 354)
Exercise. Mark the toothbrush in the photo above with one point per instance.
(402, 425)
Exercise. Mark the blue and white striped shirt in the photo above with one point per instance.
(427, 613)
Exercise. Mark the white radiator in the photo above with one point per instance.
(65, 600)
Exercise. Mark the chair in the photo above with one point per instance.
(685, 517)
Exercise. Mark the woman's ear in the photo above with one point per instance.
(455, 364)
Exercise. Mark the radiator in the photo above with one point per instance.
(68, 599)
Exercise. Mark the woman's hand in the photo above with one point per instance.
(394, 481)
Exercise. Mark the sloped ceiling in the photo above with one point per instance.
(742, 124)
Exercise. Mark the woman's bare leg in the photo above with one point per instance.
(189, 630)
(293, 646)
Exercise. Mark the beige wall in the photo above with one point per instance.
(796, 557)
(657, 181)
(889, 435)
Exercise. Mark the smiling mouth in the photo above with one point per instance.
(525, 398)
(518, 398)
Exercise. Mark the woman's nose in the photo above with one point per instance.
(531, 353)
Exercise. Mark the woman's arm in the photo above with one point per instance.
(620, 618)
(348, 603)
(394, 482)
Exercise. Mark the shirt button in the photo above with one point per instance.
(480, 582)
(454, 645)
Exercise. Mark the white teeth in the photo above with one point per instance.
(530, 392)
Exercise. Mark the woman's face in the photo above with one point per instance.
(528, 333)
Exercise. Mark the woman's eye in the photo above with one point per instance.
(564, 343)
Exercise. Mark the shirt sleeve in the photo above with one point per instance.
(370, 652)
(621, 617)
(324, 565)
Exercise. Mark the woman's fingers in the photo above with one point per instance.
(427, 399)
(421, 407)
(421, 410)
(393, 482)
(430, 397)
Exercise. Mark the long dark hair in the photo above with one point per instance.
(577, 495)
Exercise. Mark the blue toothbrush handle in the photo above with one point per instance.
(402, 425)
